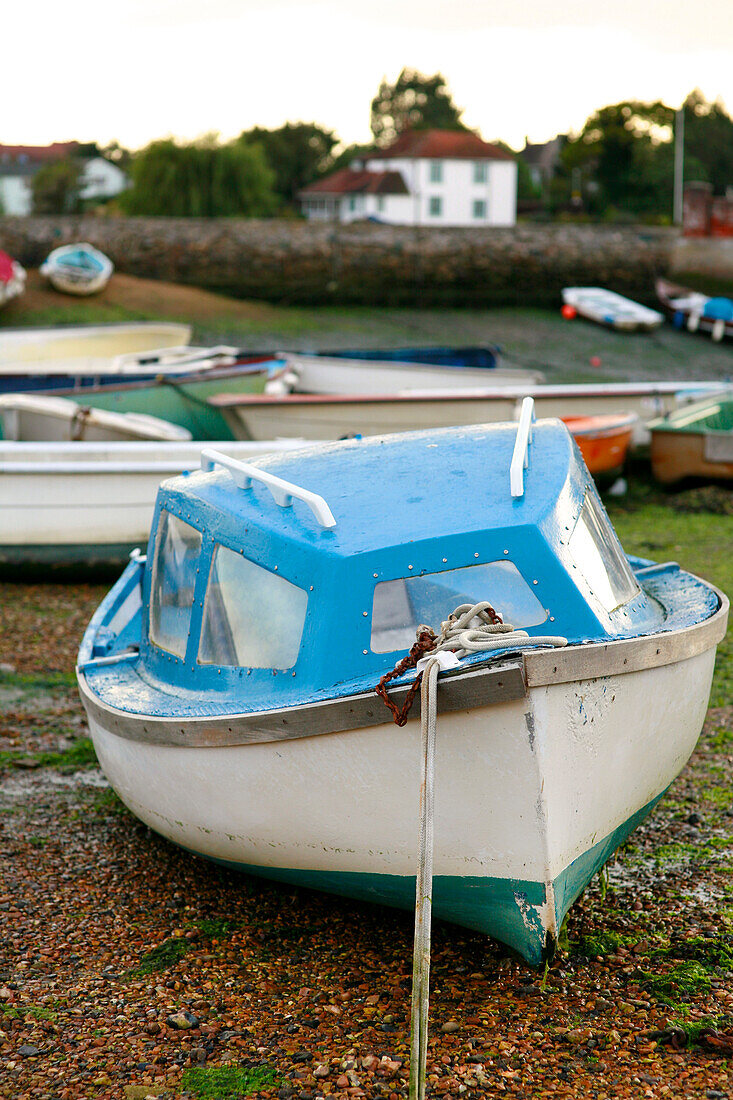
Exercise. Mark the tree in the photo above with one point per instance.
(201, 179)
(708, 141)
(298, 153)
(56, 188)
(625, 153)
(415, 102)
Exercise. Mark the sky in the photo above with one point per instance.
(135, 70)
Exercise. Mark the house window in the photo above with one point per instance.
(381, 203)
(435, 208)
(479, 208)
(436, 171)
(480, 172)
(352, 203)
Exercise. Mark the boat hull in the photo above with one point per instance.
(676, 455)
(519, 826)
(33, 345)
(331, 375)
(180, 400)
(315, 417)
(68, 504)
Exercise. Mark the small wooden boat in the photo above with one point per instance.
(83, 343)
(32, 418)
(229, 678)
(696, 312)
(331, 375)
(12, 278)
(604, 439)
(77, 269)
(68, 504)
(696, 441)
(610, 309)
(315, 416)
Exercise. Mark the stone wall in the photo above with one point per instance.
(365, 263)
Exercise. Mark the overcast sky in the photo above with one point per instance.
(133, 70)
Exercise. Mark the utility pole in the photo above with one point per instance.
(679, 160)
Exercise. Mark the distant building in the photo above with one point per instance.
(542, 160)
(426, 177)
(100, 178)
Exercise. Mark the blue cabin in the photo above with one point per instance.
(246, 603)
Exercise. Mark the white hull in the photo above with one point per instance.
(322, 374)
(517, 784)
(607, 308)
(269, 417)
(31, 418)
(104, 342)
(55, 496)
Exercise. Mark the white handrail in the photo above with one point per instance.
(520, 457)
(283, 492)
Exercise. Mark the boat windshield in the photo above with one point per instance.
(252, 618)
(177, 549)
(400, 606)
(597, 555)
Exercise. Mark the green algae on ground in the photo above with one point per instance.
(166, 954)
(227, 1082)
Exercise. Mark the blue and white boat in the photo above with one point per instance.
(229, 678)
(77, 269)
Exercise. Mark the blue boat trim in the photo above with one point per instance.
(505, 909)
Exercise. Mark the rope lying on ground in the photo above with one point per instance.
(470, 628)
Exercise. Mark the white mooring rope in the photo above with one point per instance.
(424, 886)
(469, 629)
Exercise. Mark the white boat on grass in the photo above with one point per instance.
(67, 504)
(87, 342)
(608, 308)
(229, 680)
(334, 375)
(30, 418)
(77, 269)
(316, 416)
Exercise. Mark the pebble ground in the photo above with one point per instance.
(130, 969)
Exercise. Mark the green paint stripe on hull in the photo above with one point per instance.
(182, 403)
(574, 879)
(506, 909)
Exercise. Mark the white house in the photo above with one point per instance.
(100, 178)
(426, 177)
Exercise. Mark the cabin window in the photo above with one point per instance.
(597, 554)
(177, 549)
(252, 618)
(400, 606)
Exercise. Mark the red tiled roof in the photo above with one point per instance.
(56, 151)
(350, 181)
(442, 145)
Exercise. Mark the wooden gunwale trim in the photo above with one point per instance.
(461, 690)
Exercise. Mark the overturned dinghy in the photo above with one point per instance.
(229, 679)
(77, 269)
